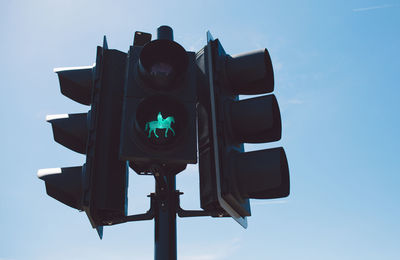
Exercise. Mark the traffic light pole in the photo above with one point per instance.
(166, 202)
(165, 217)
(165, 207)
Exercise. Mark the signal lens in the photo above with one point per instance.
(160, 120)
(161, 62)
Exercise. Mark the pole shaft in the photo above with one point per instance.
(165, 220)
(165, 33)
(165, 211)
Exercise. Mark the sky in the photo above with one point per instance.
(337, 74)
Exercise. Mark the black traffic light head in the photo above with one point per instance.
(250, 73)
(64, 185)
(76, 83)
(229, 177)
(70, 130)
(254, 120)
(99, 187)
(159, 116)
(260, 174)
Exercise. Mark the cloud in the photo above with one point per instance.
(290, 103)
(197, 45)
(374, 7)
(266, 202)
(203, 257)
(295, 101)
(278, 66)
(219, 251)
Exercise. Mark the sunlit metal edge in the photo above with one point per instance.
(74, 68)
(48, 171)
(58, 116)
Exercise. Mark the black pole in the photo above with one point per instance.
(165, 211)
(165, 33)
(165, 218)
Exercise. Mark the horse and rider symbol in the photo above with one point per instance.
(161, 123)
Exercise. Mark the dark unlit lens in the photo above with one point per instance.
(161, 68)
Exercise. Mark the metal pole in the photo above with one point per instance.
(165, 219)
(165, 33)
(165, 211)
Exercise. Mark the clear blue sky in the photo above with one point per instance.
(337, 70)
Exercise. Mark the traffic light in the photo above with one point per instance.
(229, 177)
(159, 114)
(99, 187)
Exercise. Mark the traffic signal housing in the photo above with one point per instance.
(159, 114)
(229, 177)
(99, 187)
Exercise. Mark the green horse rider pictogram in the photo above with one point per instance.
(160, 124)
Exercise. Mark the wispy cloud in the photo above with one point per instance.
(295, 101)
(204, 257)
(290, 103)
(278, 66)
(198, 44)
(362, 9)
(266, 202)
(219, 252)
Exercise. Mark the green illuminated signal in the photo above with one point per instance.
(161, 123)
